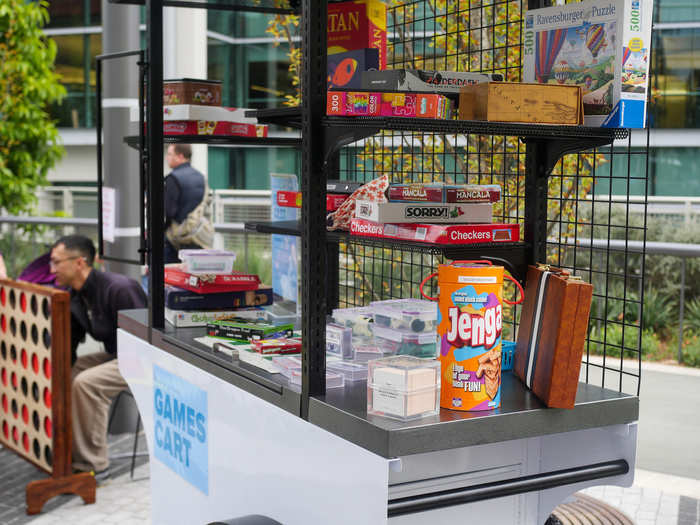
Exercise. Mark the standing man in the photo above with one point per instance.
(95, 299)
(185, 189)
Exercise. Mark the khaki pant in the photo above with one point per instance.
(96, 382)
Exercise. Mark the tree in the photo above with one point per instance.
(29, 142)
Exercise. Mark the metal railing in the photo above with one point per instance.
(232, 208)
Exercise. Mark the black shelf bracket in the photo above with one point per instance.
(337, 137)
(556, 148)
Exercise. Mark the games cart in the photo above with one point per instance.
(257, 445)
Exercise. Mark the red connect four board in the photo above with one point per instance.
(35, 374)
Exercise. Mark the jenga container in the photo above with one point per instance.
(470, 321)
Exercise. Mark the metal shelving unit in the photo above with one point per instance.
(534, 156)
(541, 169)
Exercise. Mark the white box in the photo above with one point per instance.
(403, 212)
(601, 45)
(191, 318)
(208, 113)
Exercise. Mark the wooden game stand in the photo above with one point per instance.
(35, 414)
(39, 492)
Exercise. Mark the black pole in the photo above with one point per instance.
(313, 203)
(154, 141)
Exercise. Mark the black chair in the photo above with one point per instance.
(125, 402)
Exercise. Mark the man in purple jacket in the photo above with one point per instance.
(96, 297)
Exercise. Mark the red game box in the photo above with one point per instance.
(292, 199)
(438, 233)
(357, 25)
(204, 127)
(210, 283)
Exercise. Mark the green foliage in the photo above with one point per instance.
(691, 316)
(18, 252)
(610, 340)
(691, 351)
(29, 142)
(659, 313)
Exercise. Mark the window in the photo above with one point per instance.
(75, 63)
(675, 78)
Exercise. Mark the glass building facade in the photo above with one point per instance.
(254, 72)
(253, 69)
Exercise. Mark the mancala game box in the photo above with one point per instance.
(601, 45)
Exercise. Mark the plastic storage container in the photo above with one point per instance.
(400, 342)
(350, 371)
(368, 351)
(412, 315)
(287, 364)
(339, 340)
(359, 319)
(277, 314)
(207, 261)
(403, 387)
(332, 380)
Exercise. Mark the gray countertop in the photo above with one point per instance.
(343, 411)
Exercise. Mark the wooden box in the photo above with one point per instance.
(552, 334)
(518, 102)
(192, 91)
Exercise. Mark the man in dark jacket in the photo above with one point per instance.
(184, 190)
(96, 297)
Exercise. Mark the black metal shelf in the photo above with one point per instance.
(263, 6)
(512, 255)
(479, 127)
(220, 140)
(557, 140)
(289, 117)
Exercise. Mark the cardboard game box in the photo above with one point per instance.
(430, 212)
(600, 45)
(438, 233)
(442, 82)
(357, 25)
(345, 69)
(367, 104)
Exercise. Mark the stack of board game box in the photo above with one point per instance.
(193, 107)
(195, 298)
(434, 213)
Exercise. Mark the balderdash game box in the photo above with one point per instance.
(601, 45)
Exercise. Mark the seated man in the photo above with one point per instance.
(96, 297)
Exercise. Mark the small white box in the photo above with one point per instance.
(197, 112)
(403, 387)
(432, 212)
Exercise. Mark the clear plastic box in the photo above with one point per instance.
(207, 261)
(339, 340)
(359, 319)
(412, 315)
(367, 351)
(350, 371)
(277, 314)
(398, 342)
(403, 387)
(287, 364)
(332, 380)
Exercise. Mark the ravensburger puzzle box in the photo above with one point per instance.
(601, 45)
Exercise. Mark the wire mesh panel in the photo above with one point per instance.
(587, 230)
